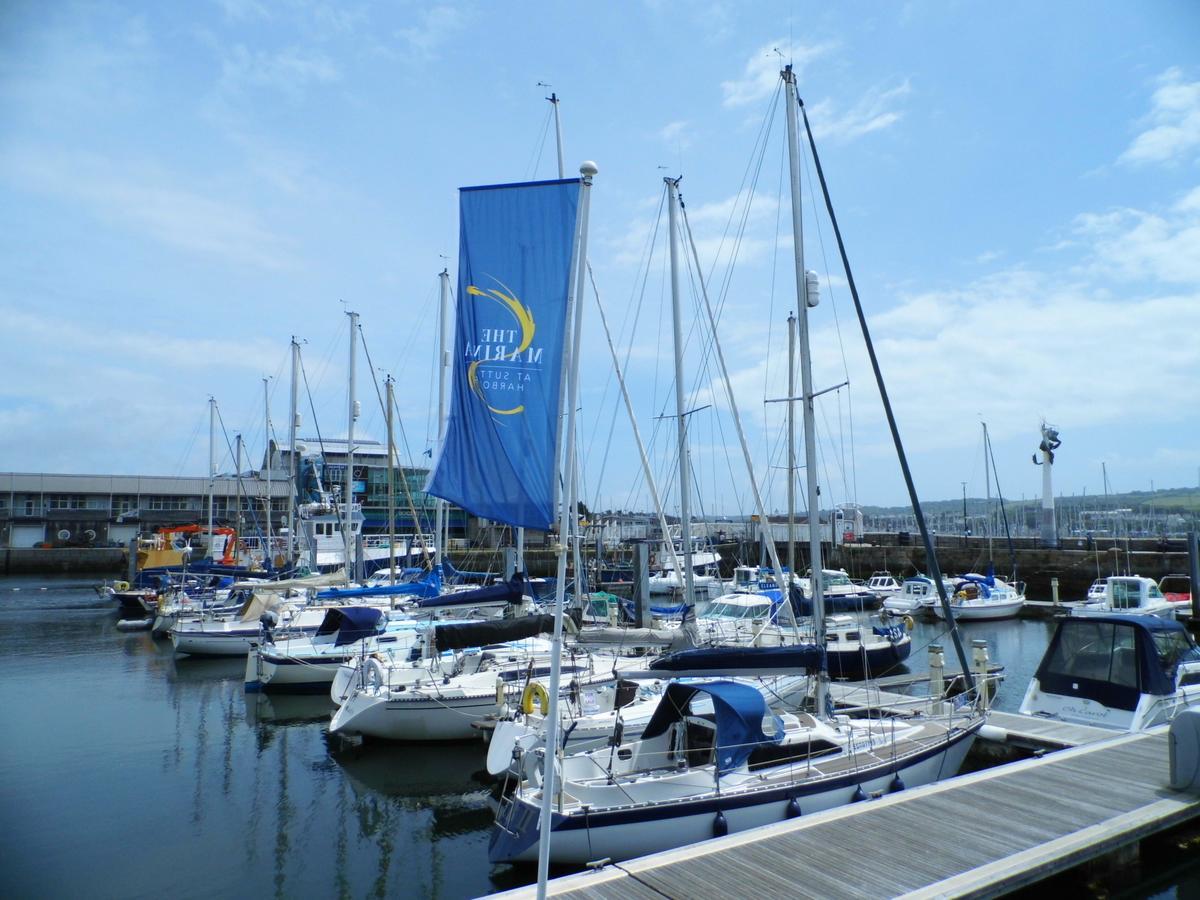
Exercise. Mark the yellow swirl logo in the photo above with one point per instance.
(493, 347)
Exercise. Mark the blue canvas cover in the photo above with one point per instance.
(741, 660)
(739, 710)
(505, 591)
(428, 585)
(1115, 659)
(498, 459)
(351, 623)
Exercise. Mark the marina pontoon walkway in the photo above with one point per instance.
(976, 835)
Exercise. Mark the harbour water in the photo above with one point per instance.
(125, 772)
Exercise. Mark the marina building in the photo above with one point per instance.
(109, 510)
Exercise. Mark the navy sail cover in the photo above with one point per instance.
(351, 623)
(498, 459)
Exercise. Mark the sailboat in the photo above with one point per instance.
(986, 597)
(717, 757)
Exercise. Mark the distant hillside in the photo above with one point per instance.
(1168, 502)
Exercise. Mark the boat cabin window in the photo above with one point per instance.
(1125, 595)
(836, 579)
(1153, 592)
(720, 610)
(1096, 651)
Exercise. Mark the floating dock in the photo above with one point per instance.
(975, 835)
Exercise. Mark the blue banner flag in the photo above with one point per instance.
(498, 459)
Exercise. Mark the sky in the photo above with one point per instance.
(184, 187)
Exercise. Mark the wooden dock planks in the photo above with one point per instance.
(977, 835)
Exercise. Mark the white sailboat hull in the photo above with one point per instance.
(974, 611)
(654, 827)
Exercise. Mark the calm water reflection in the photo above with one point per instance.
(127, 773)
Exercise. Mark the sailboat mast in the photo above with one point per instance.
(791, 451)
(587, 170)
(292, 545)
(443, 368)
(352, 414)
(268, 557)
(520, 536)
(391, 484)
(987, 480)
(212, 473)
(810, 430)
(685, 525)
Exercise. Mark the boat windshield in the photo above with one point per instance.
(837, 579)
(1174, 647)
(1096, 651)
(733, 610)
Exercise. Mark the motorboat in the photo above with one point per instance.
(716, 759)
(883, 585)
(1127, 672)
(841, 594)
(916, 594)
(983, 597)
(1129, 595)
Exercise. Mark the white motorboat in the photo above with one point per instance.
(715, 759)
(980, 597)
(1126, 672)
(883, 585)
(916, 594)
(1129, 595)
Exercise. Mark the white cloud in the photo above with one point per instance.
(1134, 245)
(147, 199)
(877, 109)
(433, 28)
(760, 76)
(675, 134)
(1173, 125)
(291, 71)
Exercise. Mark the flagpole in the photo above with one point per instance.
(587, 170)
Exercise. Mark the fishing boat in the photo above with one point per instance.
(1125, 672)
(1129, 595)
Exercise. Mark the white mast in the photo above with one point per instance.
(352, 414)
(391, 487)
(685, 488)
(212, 473)
(810, 432)
(587, 170)
(293, 423)
(268, 557)
(791, 450)
(443, 368)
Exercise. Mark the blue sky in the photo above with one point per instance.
(184, 187)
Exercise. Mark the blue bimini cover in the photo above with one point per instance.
(351, 623)
(740, 710)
